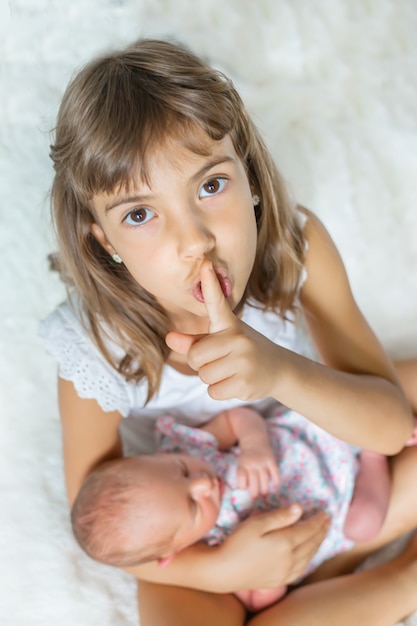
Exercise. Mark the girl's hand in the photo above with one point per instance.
(257, 470)
(275, 546)
(233, 359)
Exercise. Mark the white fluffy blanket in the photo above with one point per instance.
(333, 86)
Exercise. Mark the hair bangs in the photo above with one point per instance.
(117, 112)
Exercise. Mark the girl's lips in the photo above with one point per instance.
(225, 284)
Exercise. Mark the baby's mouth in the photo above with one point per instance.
(224, 282)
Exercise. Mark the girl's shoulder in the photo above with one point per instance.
(302, 215)
(323, 266)
(67, 339)
(321, 253)
(311, 224)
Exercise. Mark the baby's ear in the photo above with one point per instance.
(165, 561)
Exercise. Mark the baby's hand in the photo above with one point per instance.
(257, 471)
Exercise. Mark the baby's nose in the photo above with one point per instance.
(203, 482)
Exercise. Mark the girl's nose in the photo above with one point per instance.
(195, 239)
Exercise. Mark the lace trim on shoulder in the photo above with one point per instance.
(80, 361)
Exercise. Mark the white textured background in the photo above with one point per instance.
(333, 85)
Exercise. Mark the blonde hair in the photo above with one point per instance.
(114, 113)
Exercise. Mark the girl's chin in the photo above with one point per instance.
(193, 322)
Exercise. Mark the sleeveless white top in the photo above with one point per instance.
(183, 397)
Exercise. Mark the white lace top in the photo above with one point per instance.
(183, 397)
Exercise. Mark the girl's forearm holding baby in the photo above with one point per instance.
(277, 546)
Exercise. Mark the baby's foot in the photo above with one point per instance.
(257, 599)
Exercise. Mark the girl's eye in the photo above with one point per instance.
(139, 216)
(212, 186)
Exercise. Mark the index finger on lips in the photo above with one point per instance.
(218, 310)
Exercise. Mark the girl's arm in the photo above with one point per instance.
(257, 469)
(89, 435)
(354, 394)
(277, 546)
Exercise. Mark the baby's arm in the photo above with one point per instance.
(257, 467)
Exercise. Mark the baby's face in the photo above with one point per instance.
(185, 496)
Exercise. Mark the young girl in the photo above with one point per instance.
(189, 270)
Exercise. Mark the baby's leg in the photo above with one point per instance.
(400, 519)
(372, 487)
(257, 599)
(370, 499)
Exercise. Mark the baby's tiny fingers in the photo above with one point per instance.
(264, 480)
(255, 484)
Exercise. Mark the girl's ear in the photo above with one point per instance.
(98, 234)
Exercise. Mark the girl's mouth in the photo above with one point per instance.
(224, 282)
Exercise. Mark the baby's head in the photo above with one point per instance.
(144, 508)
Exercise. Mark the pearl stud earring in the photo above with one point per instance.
(116, 258)
(255, 199)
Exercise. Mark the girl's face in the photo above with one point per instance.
(195, 207)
